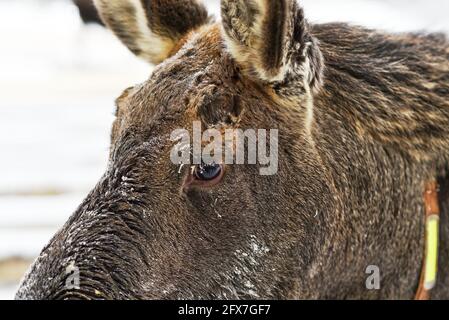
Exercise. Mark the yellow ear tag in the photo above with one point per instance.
(431, 262)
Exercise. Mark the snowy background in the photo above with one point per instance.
(58, 82)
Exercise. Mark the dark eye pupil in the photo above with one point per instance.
(208, 171)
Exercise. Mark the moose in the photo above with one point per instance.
(363, 122)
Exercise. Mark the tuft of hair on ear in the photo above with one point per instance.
(269, 39)
(152, 29)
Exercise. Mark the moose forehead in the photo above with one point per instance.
(201, 81)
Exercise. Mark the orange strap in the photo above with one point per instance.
(432, 210)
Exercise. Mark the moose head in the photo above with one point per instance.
(362, 120)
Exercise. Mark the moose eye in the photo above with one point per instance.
(208, 172)
(204, 176)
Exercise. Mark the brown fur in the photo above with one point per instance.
(363, 122)
(87, 11)
(151, 29)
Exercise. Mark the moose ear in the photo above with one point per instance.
(269, 39)
(151, 29)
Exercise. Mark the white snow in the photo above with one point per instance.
(391, 15)
(7, 291)
(58, 83)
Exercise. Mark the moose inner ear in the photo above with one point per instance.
(151, 29)
(270, 41)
